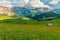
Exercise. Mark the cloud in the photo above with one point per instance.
(25, 1)
(5, 3)
(8, 3)
(54, 2)
(33, 3)
(38, 3)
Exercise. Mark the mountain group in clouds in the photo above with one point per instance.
(36, 13)
(34, 9)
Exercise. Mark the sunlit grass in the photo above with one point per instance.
(4, 17)
(25, 18)
(28, 32)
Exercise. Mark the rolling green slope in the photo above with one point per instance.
(28, 32)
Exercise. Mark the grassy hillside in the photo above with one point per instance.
(28, 29)
(28, 32)
(55, 22)
(4, 17)
(23, 28)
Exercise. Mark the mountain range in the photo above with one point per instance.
(35, 13)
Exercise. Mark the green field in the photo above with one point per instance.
(29, 32)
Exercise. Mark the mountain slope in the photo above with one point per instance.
(57, 10)
(30, 12)
(47, 16)
(22, 12)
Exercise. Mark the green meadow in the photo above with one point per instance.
(25, 23)
(26, 31)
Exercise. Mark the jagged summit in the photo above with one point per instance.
(6, 10)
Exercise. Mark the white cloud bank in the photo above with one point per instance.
(54, 2)
(33, 3)
(7, 3)
(38, 3)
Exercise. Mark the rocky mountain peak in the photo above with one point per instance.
(6, 10)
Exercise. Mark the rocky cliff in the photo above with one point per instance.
(6, 10)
